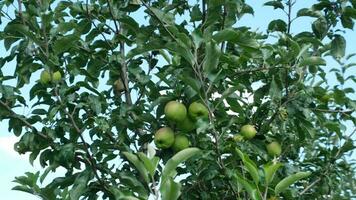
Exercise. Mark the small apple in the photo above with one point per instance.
(175, 111)
(186, 125)
(313, 69)
(119, 86)
(198, 110)
(325, 98)
(248, 131)
(57, 76)
(45, 77)
(238, 138)
(274, 149)
(164, 138)
(180, 142)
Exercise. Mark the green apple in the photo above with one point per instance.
(175, 111)
(248, 131)
(186, 125)
(180, 142)
(164, 138)
(238, 138)
(119, 86)
(45, 77)
(325, 98)
(198, 110)
(274, 149)
(57, 76)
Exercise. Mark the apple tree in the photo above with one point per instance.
(246, 114)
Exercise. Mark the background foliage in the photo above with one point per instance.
(187, 51)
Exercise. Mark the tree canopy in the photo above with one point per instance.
(86, 85)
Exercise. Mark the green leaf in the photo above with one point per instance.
(338, 46)
(270, 169)
(80, 185)
(212, 55)
(138, 164)
(277, 25)
(166, 17)
(150, 164)
(249, 187)
(275, 4)
(193, 83)
(119, 195)
(309, 12)
(170, 190)
(237, 37)
(312, 60)
(181, 156)
(347, 21)
(320, 27)
(250, 165)
(23, 188)
(286, 182)
(63, 44)
(181, 50)
(196, 14)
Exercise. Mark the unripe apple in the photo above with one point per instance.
(45, 77)
(325, 98)
(119, 86)
(164, 138)
(248, 131)
(57, 76)
(238, 138)
(313, 69)
(175, 111)
(180, 142)
(274, 149)
(186, 125)
(198, 110)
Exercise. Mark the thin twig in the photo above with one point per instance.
(7, 15)
(310, 186)
(333, 111)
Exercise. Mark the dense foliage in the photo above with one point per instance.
(92, 79)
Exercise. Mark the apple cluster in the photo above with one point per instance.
(184, 119)
(46, 77)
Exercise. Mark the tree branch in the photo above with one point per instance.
(22, 119)
(80, 133)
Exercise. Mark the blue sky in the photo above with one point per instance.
(13, 164)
